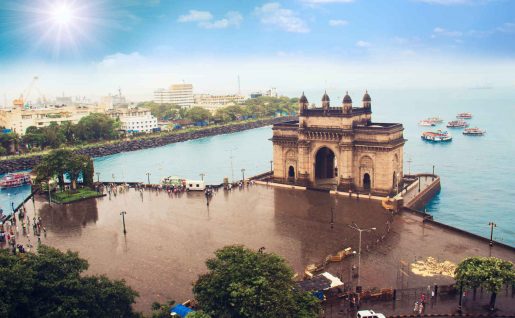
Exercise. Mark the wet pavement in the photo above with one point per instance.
(170, 237)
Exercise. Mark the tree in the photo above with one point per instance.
(51, 284)
(88, 175)
(96, 127)
(489, 272)
(244, 283)
(196, 114)
(75, 165)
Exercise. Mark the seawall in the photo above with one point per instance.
(17, 164)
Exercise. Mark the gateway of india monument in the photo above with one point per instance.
(339, 147)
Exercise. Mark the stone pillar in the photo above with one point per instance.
(304, 163)
(346, 164)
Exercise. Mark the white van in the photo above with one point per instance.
(195, 185)
(369, 314)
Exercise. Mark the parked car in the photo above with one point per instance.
(369, 314)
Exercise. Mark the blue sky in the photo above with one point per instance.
(397, 42)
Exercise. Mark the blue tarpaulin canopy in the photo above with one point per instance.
(181, 310)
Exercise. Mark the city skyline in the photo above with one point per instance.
(94, 48)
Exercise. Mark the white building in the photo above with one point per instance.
(134, 119)
(178, 94)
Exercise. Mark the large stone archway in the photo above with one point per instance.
(325, 164)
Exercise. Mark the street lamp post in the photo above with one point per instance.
(98, 176)
(271, 167)
(123, 220)
(202, 176)
(114, 180)
(148, 177)
(355, 227)
(243, 175)
(492, 225)
(433, 172)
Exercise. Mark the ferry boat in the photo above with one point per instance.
(464, 116)
(436, 120)
(474, 132)
(457, 124)
(438, 136)
(13, 180)
(426, 122)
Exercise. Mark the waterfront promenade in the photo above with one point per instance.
(169, 237)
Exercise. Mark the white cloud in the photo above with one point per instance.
(507, 27)
(204, 19)
(195, 16)
(273, 14)
(444, 32)
(336, 23)
(363, 44)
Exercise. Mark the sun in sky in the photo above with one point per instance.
(62, 14)
(56, 26)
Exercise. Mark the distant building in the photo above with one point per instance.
(214, 102)
(134, 119)
(178, 94)
(272, 92)
(64, 101)
(18, 120)
(113, 101)
(256, 95)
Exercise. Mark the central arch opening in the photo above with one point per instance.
(291, 172)
(325, 164)
(366, 182)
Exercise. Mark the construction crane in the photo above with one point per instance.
(22, 101)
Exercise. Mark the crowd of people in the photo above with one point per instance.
(10, 229)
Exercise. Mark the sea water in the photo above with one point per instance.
(477, 172)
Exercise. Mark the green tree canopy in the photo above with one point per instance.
(50, 284)
(197, 113)
(96, 127)
(490, 273)
(244, 283)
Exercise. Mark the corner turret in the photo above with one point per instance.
(347, 104)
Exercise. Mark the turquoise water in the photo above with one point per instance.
(477, 172)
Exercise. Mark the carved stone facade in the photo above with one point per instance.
(341, 147)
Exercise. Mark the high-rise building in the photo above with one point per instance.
(178, 94)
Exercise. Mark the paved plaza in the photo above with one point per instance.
(169, 236)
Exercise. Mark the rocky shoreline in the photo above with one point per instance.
(11, 165)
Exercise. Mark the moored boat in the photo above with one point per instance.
(436, 136)
(474, 132)
(464, 116)
(436, 120)
(457, 124)
(426, 122)
(13, 180)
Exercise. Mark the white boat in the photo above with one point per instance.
(426, 122)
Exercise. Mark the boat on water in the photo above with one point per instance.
(436, 136)
(13, 180)
(464, 116)
(436, 120)
(474, 132)
(426, 122)
(457, 124)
